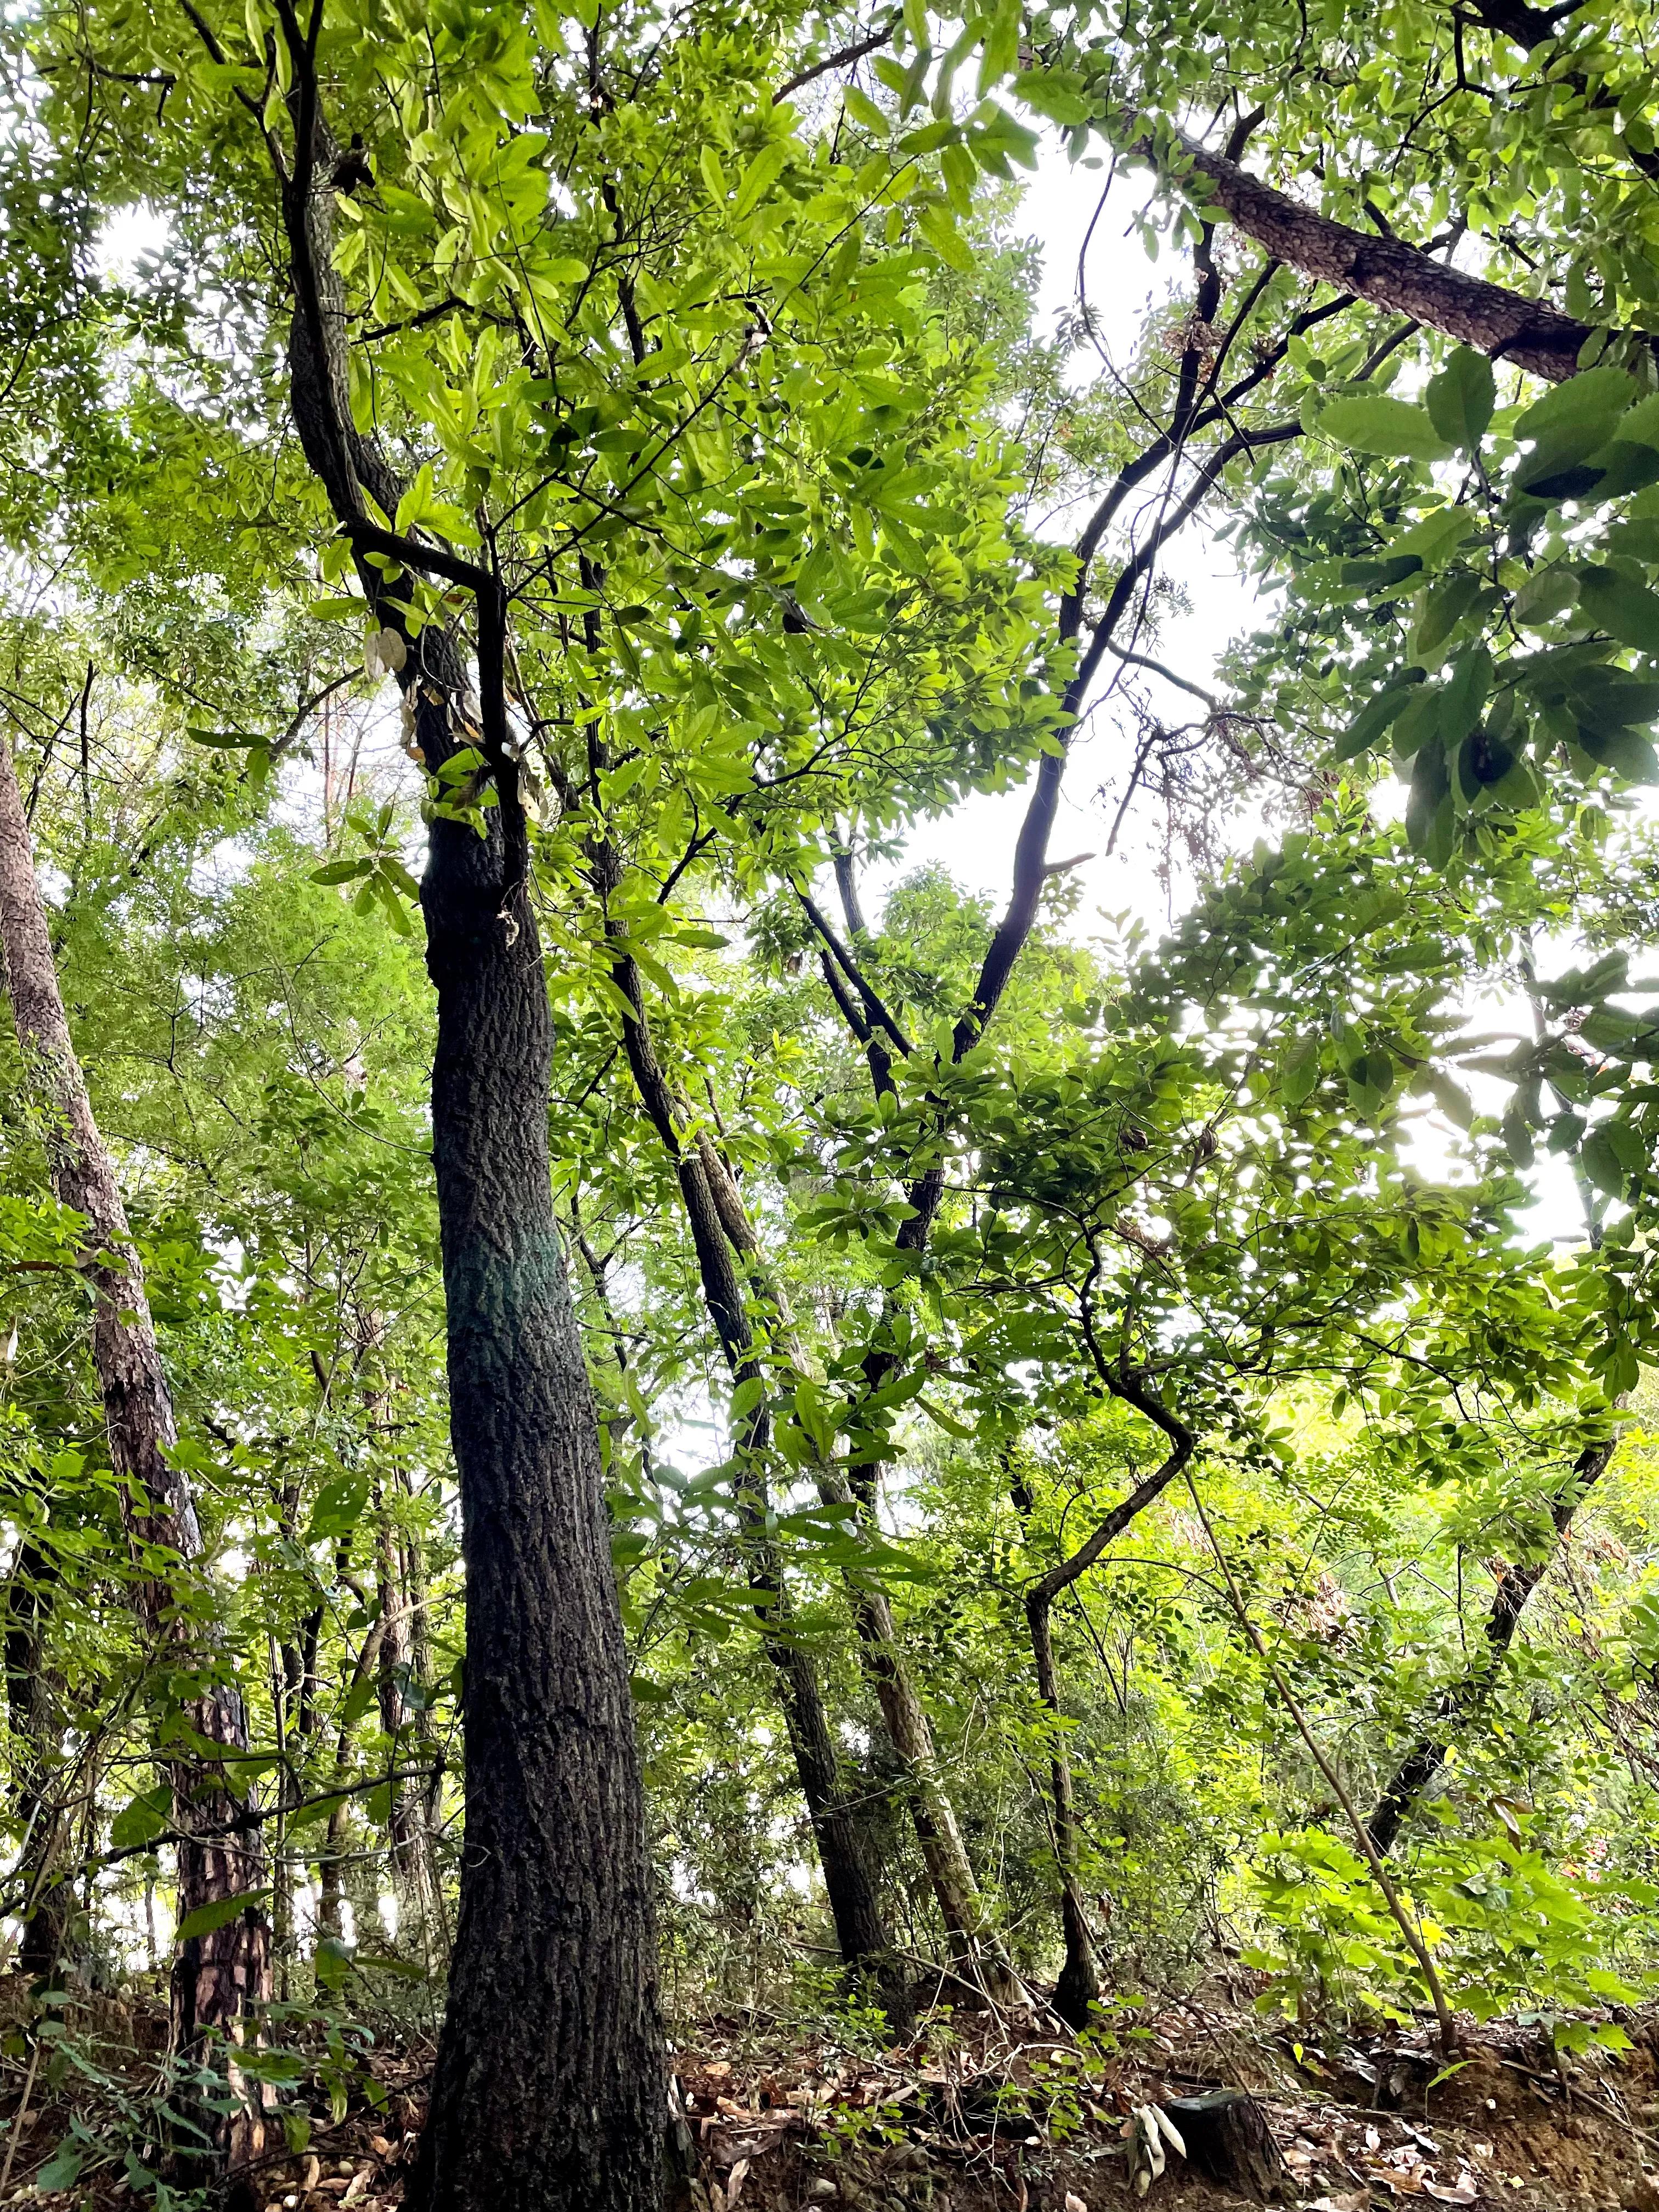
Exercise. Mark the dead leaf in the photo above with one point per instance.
(1463, 2191)
(1074, 2203)
(734, 2181)
(310, 2172)
(358, 2183)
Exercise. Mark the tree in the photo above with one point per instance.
(222, 1975)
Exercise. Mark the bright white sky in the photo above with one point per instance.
(976, 842)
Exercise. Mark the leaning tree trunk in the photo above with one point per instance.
(549, 2089)
(977, 1950)
(219, 1976)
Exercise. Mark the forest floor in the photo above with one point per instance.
(978, 2114)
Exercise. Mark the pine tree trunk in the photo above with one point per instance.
(219, 1977)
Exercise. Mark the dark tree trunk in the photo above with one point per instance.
(1392, 273)
(549, 2092)
(1227, 2141)
(34, 1703)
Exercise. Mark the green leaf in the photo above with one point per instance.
(862, 109)
(1371, 422)
(1461, 399)
(1377, 716)
(1602, 1164)
(1463, 699)
(1613, 698)
(1616, 602)
(759, 176)
(339, 1507)
(341, 872)
(141, 1819)
(225, 740)
(1298, 1072)
(62, 2169)
(331, 1962)
(713, 176)
(1436, 536)
(938, 226)
(1575, 417)
(1000, 55)
(1443, 608)
(1626, 752)
(1431, 788)
(1057, 94)
(218, 1913)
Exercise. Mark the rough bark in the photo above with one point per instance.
(218, 1978)
(34, 1712)
(1416, 1772)
(1229, 2141)
(1392, 273)
(549, 2089)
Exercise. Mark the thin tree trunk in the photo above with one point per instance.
(1078, 1986)
(404, 1821)
(840, 1836)
(975, 1946)
(550, 2089)
(218, 1978)
(330, 1920)
(1456, 1705)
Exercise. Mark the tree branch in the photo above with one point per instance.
(843, 59)
(1390, 274)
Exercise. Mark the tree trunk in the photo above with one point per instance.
(1392, 273)
(549, 2089)
(1227, 2141)
(1078, 1986)
(219, 1977)
(976, 1949)
(34, 1695)
(720, 1234)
